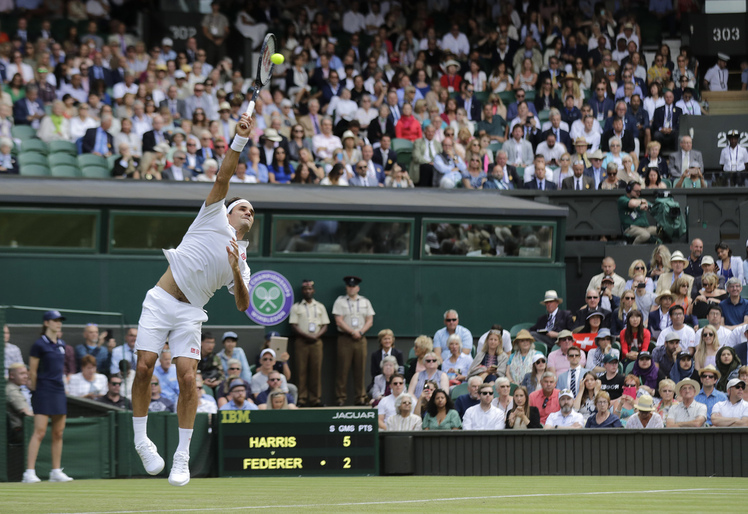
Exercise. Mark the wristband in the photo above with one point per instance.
(239, 143)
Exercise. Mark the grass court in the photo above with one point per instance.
(382, 494)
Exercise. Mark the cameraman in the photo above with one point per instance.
(632, 212)
(691, 178)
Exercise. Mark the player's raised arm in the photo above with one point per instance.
(228, 167)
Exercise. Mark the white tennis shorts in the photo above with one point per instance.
(164, 317)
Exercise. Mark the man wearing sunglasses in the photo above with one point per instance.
(484, 416)
(113, 396)
(709, 395)
(732, 412)
(452, 326)
(592, 299)
(386, 407)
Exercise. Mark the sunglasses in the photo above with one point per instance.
(541, 360)
(708, 376)
(430, 360)
(545, 403)
(115, 384)
(267, 358)
(739, 386)
(592, 297)
(397, 383)
(154, 383)
(273, 379)
(573, 355)
(450, 319)
(235, 368)
(639, 267)
(486, 393)
(629, 385)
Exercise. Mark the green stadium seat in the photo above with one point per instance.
(495, 147)
(35, 170)
(542, 348)
(34, 145)
(617, 346)
(513, 387)
(65, 171)
(507, 97)
(113, 158)
(459, 390)
(96, 172)
(89, 159)
(401, 144)
(404, 157)
(23, 132)
(62, 159)
(482, 96)
(32, 158)
(530, 95)
(516, 328)
(703, 322)
(629, 367)
(62, 147)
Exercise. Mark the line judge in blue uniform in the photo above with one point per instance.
(46, 364)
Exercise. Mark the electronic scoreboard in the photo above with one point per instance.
(298, 442)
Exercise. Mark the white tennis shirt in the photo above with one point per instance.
(200, 263)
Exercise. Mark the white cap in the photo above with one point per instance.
(167, 42)
(566, 392)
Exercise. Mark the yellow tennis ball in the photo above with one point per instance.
(277, 58)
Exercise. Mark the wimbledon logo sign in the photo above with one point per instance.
(270, 298)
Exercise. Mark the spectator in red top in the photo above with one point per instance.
(546, 398)
(408, 127)
(451, 80)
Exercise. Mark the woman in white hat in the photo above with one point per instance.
(351, 153)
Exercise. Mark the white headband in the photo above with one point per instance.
(237, 202)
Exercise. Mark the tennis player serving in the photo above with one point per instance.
(211, 255)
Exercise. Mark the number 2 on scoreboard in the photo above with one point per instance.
(347, 463)
(347, 441)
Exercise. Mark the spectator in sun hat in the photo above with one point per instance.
(678, 265)
(689, 412)
(645, 417)
(548, 326)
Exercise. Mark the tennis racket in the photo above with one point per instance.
(264, 69)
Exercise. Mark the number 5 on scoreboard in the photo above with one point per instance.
(347, 441)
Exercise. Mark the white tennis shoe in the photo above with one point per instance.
(180, 469)
(152, 461)
(57, 475)
(29, 477)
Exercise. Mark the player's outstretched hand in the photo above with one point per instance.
(244, 127)
(233, 252)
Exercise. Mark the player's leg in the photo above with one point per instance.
(185, 348)
(141, 386)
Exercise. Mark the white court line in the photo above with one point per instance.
(351, 504)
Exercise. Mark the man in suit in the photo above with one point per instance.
(512, 108)
(562, 136)
(518, 150)
(384, 155)
(666, 122)
(176, 106)
(155, 136)
(553, 73)
(29, 110)
(100, 72)
(361, 178)
(467, 101)
(99, 141)
(422, 160)
(596, 171)
(592, 300)
(629, 122)
(678, 265)
(507, 172)
(311, 122)
(659, 319)
(548, 326)
(572, 378)
(617, 130)
(198, 100)
(382, 124)
(539, 182)
(685, 158)
(177, 171)
(579, 182)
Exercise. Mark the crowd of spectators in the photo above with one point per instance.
(479, 95)
(664, 346)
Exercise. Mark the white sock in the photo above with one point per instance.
(139, 427)
(31, 470)
(55, 470)
(185, 436)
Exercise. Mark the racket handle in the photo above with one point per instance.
(251, 107)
